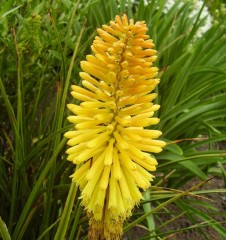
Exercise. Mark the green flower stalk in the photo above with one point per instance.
(110, 142)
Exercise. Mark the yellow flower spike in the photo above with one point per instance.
(87, 77)
(126, 160)
(145, 173)
(97, 164)
(133, 188)
(84, 92)
(95, 203)
(86, 155)
(75, 149)
(99, 140)
(81, 171)
(105, 178)
(112, 202)
(116, 169)
(125, 190)
(109, 140)
(121, 208)
(109, 153)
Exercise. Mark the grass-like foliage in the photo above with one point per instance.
(41, 45)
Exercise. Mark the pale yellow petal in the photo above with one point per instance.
(109, 153)
(95, 166)
(105, 178)
(116, 169)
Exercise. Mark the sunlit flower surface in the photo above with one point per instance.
(110, 141)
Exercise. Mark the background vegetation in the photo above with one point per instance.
(41, 45)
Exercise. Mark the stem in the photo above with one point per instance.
(61, 231)
(147, 208)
